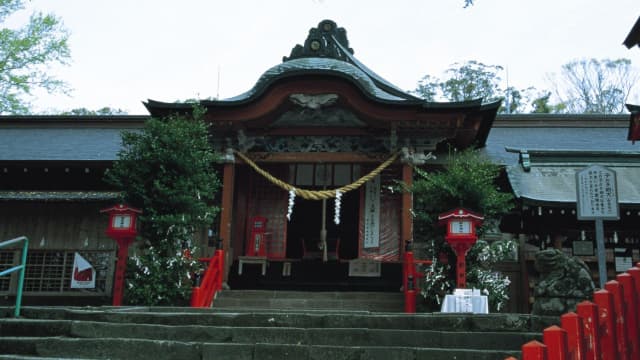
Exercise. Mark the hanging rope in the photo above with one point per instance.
(318, 194)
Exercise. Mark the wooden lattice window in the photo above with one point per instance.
(323, 175)
(49, 271)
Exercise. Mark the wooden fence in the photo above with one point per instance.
(606, 328)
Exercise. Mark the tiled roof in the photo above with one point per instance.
(550, 176)
(59, 195)
(37, 140)
(557, 132)
(52, 138)
(323, 66)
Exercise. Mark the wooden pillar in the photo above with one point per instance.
(226, 214)
(406, 222)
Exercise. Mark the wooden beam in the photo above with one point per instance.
(316, 157)
(226, 214)
(406, 221)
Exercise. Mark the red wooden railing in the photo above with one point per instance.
(410, 280)
(606, 329)
(203, 294)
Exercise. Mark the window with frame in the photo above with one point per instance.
(49, 271)
(6, 261)
(323, 175)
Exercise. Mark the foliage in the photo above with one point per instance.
(594, 86)
(25, 56)
(584, 86)
(467, 180)
(542, 105)
(102, 111)
(167, 170)
(436, 285)
(469, 81)
(492, 283)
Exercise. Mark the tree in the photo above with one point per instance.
(467, 180)
(469, 81)
(26, 53)
(594, 86)
(102, 111)
(167, 170)
(541, 104)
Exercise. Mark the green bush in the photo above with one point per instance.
(466, 180)
(168, 171)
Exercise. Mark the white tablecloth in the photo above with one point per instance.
(477, 304)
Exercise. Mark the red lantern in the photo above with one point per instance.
(121, 228)
(461, 235)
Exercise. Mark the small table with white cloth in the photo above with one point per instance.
(466, 301)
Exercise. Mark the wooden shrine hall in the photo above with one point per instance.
(321, 133)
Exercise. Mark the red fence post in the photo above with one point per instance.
(616, 290)
(195, 296)
(588, 311)
(534, 350)
(630, 301)
(220, 254)
(607, 323)
(573, 324)
(410, 289)
(555, 338)
(635, 275)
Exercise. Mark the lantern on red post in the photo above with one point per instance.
(461, 235)
(122, 229)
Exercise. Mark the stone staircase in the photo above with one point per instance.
(309, 300)
(298, 327)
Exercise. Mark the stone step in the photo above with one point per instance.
(301, 300)
(27, 357)
(293, 319)
(272, 335)
(186, 333)
(132, 349)
(291, 294)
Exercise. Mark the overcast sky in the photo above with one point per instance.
(126, 51)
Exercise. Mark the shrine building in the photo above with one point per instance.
(318, 127)
(320, 121)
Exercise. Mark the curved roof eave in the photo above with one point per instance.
(378, 80)
(322, 66)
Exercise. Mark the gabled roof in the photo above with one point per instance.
(325, 66)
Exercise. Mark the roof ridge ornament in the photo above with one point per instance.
(322, 41)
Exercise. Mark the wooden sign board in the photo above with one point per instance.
(597, 194)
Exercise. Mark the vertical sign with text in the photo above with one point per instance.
(372, 213)
(597, 199)
(597, 194)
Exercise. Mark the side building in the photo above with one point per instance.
(541, 155)
(51, 190)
